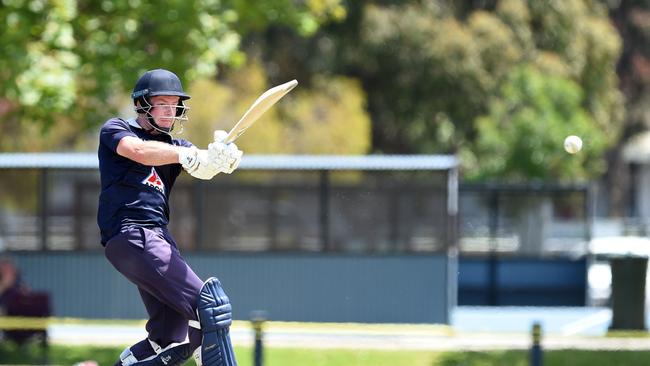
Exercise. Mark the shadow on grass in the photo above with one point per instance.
(493, 358)
(550, 358)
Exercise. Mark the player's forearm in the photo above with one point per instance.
(154, 153)
(160, 153)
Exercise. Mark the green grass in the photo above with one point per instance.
(68, 355)
(628, 334)
(296, 357)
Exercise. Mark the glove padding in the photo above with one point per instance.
(197, 163)
(225, 157)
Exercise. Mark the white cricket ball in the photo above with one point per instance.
(572, 144)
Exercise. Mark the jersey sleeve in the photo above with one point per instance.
(113, 131)
(183, 142)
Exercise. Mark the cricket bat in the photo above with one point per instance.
(261, 105)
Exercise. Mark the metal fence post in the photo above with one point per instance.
(536, 348)
(257, 319)
(43, 200)
(324, 210)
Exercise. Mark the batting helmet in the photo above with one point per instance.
(158, 82)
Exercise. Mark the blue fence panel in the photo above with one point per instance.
(522, 281)
(291, 287)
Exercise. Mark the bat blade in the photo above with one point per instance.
(261, 105)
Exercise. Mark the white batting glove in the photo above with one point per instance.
(188, 158)
(225, 157)
(197, 163)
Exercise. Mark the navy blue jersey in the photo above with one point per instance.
(132, 193)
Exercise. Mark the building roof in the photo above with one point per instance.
(637, 149)
(251, 162)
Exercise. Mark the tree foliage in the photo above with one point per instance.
(632, 19)
(500, 82)
(61, 57)
(518, 137)
(488, 85)
(438, 74)
(328, 118)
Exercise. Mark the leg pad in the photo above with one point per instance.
(215, 316)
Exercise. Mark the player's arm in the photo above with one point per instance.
(150, 153)
(222, 158)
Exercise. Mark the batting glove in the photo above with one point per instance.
(225, 157)
(197, 163)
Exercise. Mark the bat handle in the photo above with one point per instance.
(231, 137)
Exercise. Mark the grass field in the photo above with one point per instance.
(68, 355)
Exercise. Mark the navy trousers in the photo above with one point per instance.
(149, 258)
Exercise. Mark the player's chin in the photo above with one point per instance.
(165, 122)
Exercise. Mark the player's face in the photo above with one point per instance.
(164, 109)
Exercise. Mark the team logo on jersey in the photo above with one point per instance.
(154, 181)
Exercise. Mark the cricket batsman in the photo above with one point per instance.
(139, 162)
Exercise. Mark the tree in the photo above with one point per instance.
(436, 71)
(68, 59)
(632, 19)
(328, 118)
(518, 138)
